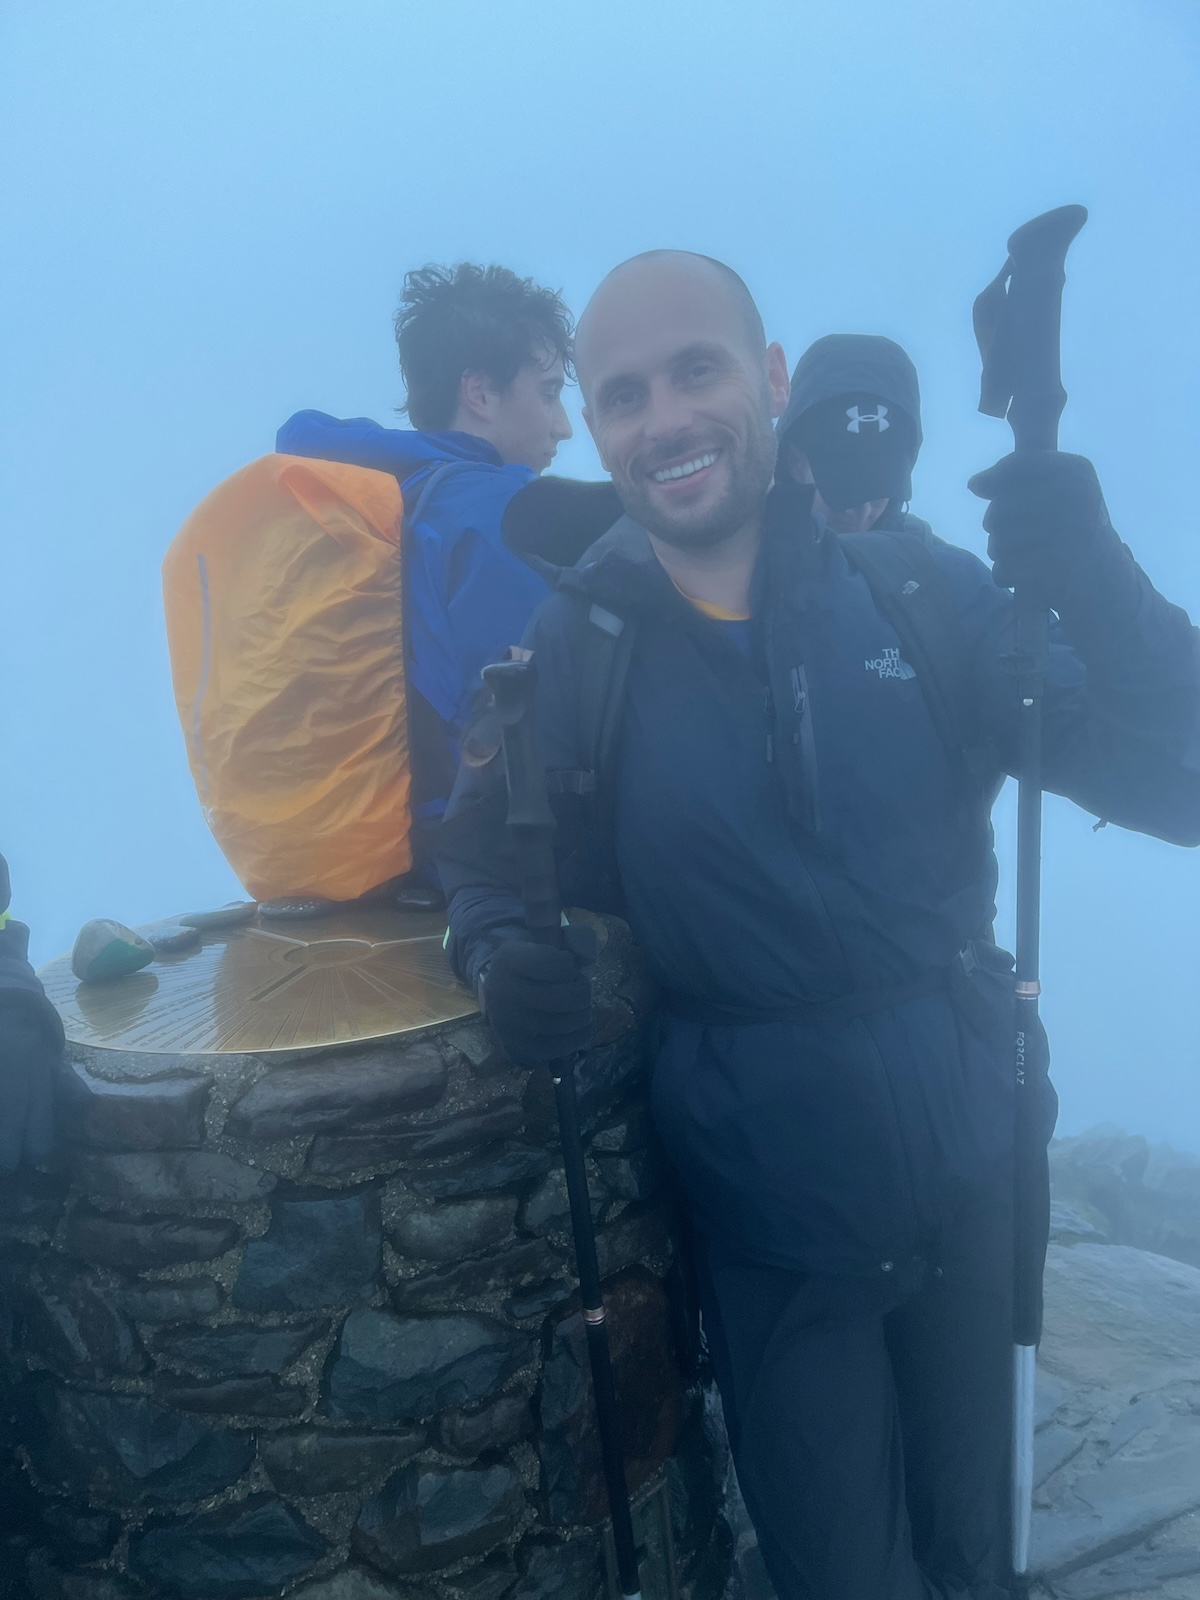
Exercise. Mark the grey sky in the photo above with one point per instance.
(208, 210)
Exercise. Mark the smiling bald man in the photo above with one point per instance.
(804, 855)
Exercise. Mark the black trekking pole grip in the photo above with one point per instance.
(513, 684)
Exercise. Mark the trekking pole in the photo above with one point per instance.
(531, 825)
(1018, 325)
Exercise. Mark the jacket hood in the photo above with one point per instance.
(850, 363)
(359, 442)
(855, 412)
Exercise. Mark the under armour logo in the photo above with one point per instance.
(857, 418)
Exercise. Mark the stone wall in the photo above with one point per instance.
(307, 1325)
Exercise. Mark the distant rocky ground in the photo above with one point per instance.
(1117, 1463)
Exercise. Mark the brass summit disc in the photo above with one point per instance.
(286, 985)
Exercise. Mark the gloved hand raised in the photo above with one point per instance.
(537, 998)
(1046, 523)
(28, 1055)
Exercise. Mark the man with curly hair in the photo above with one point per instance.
(484, 355)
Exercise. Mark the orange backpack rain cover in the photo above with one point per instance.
(283, 606)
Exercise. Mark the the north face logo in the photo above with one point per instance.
(889, 665)
(857, 418)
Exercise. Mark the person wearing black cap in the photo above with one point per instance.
(852, 429)
(31, 1041)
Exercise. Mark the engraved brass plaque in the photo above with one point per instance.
(283, 985)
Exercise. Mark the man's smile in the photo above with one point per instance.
(685, 469)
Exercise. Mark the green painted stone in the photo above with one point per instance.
(105, 950)
(171, 938)
(230, 916)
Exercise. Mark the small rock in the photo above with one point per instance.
(259, 1397)
(251, 1547)
(456, 1228)
(166, 1113)
(126, 1450)
(182, 1301)
(105, 950)
(507, 1169)
(390, 1369)
(172, 938)
(335, 1155)
(238, 1348)
(316, 1253)
(426, 1518)
(310, 1461)
(143, 1242)
(301, 1100)
(233, 915)
(172, 1177)
(470, 1433)
(530, 1261)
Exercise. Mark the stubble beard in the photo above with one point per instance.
(750, 474)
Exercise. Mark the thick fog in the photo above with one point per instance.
(207, 213)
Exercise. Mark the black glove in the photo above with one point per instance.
(556, 519)
(537, 998)
(1047, 522)
(29, 1054)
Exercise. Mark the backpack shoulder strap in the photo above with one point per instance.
(911, 593)
(429, 484)
(607, 646)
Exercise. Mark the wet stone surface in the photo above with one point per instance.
(74, 1322)
(299, 1324)
(315, 1461)
(455, 1228)
(114, 1240)
(424, 1519)
(168, 1114)
(251, 1547)
(128, 1450)
(357, 1088)
(318, 1251)
(237, 1348)
(390, 1369)
(172, 1177)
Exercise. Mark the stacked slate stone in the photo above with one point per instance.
(307, 1326)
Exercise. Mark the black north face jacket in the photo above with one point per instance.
(802, 860)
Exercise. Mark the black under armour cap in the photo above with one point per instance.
(859, 448)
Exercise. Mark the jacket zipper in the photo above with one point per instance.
(806, 739)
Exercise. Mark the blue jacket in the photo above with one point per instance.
(776, 852)
(466, 597)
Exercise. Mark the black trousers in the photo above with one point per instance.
(870, 1420)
